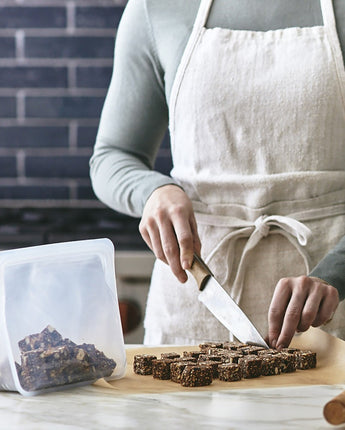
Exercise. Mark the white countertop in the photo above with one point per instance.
(97, 408)
(100, 408)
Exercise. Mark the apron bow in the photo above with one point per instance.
(295, 231)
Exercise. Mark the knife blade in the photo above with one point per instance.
(223, 307)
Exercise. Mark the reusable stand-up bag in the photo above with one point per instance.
(60, 324)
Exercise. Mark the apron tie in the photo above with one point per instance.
(290, 225)
(261, 226)
(295, 231)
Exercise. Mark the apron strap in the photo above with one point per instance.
(198, 27)
(328, 13)
(202, 16)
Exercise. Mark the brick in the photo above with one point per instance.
(93, 77)
(34, 192)
(7, 47)
(33, 77)
(8, 167)
(86, 136)
(69, 47)
(68, 166)
(8, 107)
(163, 164)
(64, 107)
(98, 16)
(33, 137)
(32, 17)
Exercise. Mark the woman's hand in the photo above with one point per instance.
(169, 228)
(297, 304)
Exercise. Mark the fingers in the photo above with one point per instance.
(196, 239)
(169, 228)
(297, 304)
(328, 305)
(175, 239)
(280, 300)
(184, 235)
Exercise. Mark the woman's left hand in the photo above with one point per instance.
(298, 303)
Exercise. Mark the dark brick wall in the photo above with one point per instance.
(55, 66)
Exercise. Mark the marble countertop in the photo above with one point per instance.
(93, 407)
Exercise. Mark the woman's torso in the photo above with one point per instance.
(220, 183)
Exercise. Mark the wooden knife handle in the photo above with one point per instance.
(334, 410)
(200, 271)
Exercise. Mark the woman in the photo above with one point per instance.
(253, 92)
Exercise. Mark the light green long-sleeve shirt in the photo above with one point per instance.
(149, 45)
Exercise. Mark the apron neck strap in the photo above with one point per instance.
(202, 16)
(198, 27)
(328, 14)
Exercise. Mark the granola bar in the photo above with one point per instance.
(213, 365)
(103, 365)
(176, 369)
(45, 339)
(252, 350)
(288, 362)
(185, 359)
(209, 357)
(170, 355)
(56, 366)
(229, 372)
(142, 364)
(233, 345)
(193, 354)
(161, 368)
(48, 360)
(271, 364)
(251, 366)
(232, 357)
(196, 376)
(207, 345)
(305, 360)
(266, 351)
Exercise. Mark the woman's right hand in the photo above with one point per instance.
(169, 228)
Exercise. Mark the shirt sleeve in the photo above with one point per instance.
(332, 268)
(134, 119)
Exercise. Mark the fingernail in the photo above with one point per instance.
(274, 343)
(186, 264)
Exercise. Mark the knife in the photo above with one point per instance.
(223, 307)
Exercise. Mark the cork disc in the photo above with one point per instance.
(334, 412)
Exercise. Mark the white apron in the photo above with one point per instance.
(257, 123)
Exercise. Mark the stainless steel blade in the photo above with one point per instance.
(225, 309)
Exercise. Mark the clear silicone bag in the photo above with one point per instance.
(60, 322)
